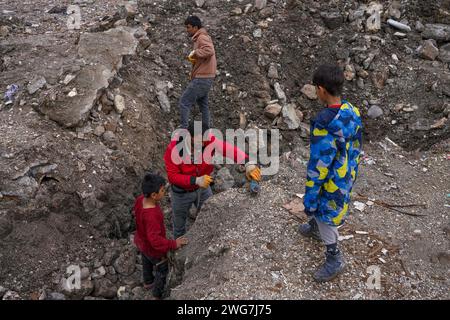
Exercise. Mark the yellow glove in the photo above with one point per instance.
(204, 181)
(191, 58)
(252, 172)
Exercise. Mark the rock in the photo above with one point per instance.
(309, 91)
(332, 20)
(373, 23)
(363, 74)
(200, 3)
(419, 26)
(428, 50)
(280, 93)
(126, 263)
(224, 180)
(119, 103)
(379, 78)
(70, 290)
(356, 14)
(99, 130)
(3, 290)
(36, 84)
(266, 13)
(400, 35)
(257, 33)
(438, 32)
(120, 23)
(273, 71)
(398, 25)
(360, 83)
(374, 7)
(444, 53)
(55, 296)
(446, 111)
(11, 295)
(444, 258)
(375, 112)
(130, 8)
(260, 4)
(4, 31)
(272, 110)
(394, 10)
(110, 138)
(236, 11)
(349, 72)
(99, 272)
(105, 288)
(290, 117)
(163, 101)
(103, 53)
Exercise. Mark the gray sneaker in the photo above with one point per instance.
(310, 230)
(333, 266)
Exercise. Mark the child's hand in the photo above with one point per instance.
(181, 241)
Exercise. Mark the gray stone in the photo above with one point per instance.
(332, 20)
(36, 85)
(4, 31)
(373, 23)
(272, 110)
(419, 26)
(438, 32)
(105, 288)
(290, 117)
(280, 93)
(70, 290)
(260, 4)
(56, 296)
(109, 137)
(398, 25)
(3, 290)
(11, 295)
(356, 14)
(223, 180)
(103, 53)
(375, 112)
(273, 71)
(309, 91)
(126, 263)
(349, 72)
(163, 100)
(99, 130)
(444, 53)
(257, 33)
(266, 12)
(428, 50)
(200, 3)
(119, 103)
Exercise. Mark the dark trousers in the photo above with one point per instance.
(196, 92)
(182, 203)
(155, 271)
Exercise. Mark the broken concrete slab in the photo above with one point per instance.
(103, 53)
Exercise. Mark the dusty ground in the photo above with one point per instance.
(66, 193)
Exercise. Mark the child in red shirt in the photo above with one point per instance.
(150, 237)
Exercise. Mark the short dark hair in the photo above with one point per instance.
(330, 77)
(193, 21)
(205, 127)
(152, 183)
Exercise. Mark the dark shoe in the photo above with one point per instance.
(310, 230)
(333, 266)
(149, 286)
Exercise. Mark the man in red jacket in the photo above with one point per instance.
(190, 178)
(150, 237)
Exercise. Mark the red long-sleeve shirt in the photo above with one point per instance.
(182, 173)
(150, 237)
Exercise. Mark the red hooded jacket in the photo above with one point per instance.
(182, 172)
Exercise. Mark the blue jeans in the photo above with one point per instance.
(196, 92)
(182, 203)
